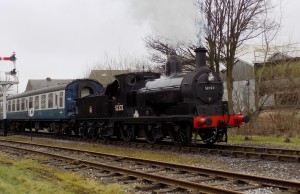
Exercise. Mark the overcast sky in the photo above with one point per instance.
(61, 39)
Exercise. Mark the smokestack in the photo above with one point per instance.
(200, 57)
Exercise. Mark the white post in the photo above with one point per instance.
(4, 101)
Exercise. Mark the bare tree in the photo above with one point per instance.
(230, 23)
(110, 66)
(160, 48)
(215, 13)
(270, 31)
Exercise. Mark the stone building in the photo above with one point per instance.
(34, 84)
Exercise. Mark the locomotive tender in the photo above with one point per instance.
(146, 104)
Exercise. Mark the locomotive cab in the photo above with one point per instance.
(129, 101)
(112, 90)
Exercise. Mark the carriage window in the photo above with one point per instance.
(26, 103)
(23, 104)
(18, 105)
(30, 102)
(37, 102)
(9, 106)
(85, 92)
(61, 99)
(55, 101)
(43, 101)
(50, 100)
(13, 108)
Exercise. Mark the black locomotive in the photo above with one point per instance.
(146, 104)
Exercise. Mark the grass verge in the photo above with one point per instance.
(165, 156)
(28, 176)
(293, 143)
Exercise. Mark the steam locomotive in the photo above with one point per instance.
(146, 104)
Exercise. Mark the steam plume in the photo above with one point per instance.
(172, 19)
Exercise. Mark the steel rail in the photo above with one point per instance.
(258, 149)
(264, 180)
(273, 154)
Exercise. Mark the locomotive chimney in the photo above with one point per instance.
(200, 57)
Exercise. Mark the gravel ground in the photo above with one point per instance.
(275, 169)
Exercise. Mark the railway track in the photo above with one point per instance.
(238, 151)
(287, 155)
(160, 176)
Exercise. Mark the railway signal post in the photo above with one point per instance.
(7, 79)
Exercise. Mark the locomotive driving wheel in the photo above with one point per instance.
(209, 135)
(82, 129)
(91, 131)
(181, 134)
(153, 134)
(101, 130)
(127, 132)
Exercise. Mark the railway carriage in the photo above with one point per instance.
(51, 107)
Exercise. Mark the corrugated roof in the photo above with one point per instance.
(242, 70)
(252, 53)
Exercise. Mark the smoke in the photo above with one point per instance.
(171, 19)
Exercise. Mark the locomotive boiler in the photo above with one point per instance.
(145, 104)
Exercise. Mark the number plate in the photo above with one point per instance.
(119, 107)
(209, 88)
